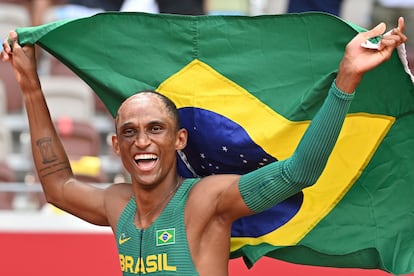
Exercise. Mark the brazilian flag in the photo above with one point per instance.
(247, 88)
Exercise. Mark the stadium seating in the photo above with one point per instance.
(11, 17)
(6, 172)
(68, 96)
(14, 98)
(5, 135)
(6, 175)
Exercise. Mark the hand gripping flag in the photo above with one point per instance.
(247, 88)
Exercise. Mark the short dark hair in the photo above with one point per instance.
(171, 107)
(169, 104)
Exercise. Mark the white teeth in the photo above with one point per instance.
(145, 156)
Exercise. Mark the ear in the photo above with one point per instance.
(181, 141)
(115, 145)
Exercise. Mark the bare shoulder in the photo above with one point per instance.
(214, 185)
(122, 189)
(216, 195)
(213, 205)
(118, 193)
(116, 198)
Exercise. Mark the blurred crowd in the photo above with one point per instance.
(88, 136)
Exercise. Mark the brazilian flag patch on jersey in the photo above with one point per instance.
(165, 236)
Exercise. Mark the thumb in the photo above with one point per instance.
(13, 40)
(376, 31)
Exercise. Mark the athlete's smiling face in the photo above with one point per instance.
(147, 138)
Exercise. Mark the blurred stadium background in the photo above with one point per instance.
(38, 239)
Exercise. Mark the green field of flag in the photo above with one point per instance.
(264, 78)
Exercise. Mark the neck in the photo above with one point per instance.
(151, 203)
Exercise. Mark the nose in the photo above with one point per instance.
(142, 140)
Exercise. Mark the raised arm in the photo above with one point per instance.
(51, 161)
(267, 186)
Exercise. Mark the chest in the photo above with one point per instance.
(160, 249)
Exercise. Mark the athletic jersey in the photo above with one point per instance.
(160, 249)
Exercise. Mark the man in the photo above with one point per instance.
(166, 225)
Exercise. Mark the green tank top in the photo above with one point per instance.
(160, 249)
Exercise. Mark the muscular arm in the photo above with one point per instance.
(51, 162)
(53, 168)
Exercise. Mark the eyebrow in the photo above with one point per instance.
(124, 125)
(153, 122)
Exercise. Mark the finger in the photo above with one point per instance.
(389, 43)
(396, 35)
(4, 56)
(12, 40)
(401, 36)
(374, 32)
(7, 51)
(6, 46)
(395, 31)
(401, 24)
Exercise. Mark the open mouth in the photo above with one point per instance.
(145, 161)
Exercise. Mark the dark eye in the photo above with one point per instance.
(129, 132)
(156, 129)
